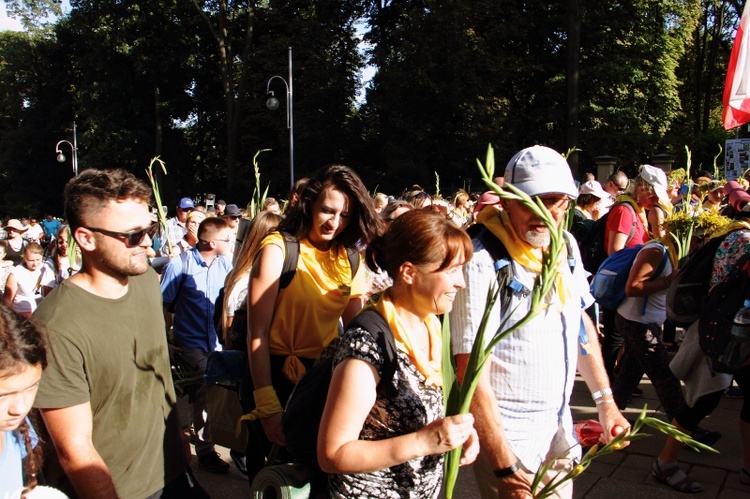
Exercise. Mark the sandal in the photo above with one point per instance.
(675, 478)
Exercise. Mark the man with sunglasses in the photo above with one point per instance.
(616, 184)
(190, 286)
(107, 396)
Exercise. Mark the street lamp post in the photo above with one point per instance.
(74, 149)
(273, 104)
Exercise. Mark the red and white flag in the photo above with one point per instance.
(737, 85)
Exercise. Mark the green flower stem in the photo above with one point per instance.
(458, 397)
(257, 200)
(615, 444)
(157, 198)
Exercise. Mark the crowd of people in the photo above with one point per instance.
(101, 309)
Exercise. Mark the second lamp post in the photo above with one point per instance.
(273, 103)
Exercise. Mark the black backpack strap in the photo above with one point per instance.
(291, 255)
(371, 321)
(354, 257)
(635, 222)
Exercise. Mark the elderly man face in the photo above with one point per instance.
(531, 228)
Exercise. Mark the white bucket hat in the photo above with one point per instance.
(657, 179)
(539, 170)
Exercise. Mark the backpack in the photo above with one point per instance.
(593, 250)
(582, 228)
(687, 294)
(304, 408)
(291, 255)
(501, 262)
(608, 284)
(717, 316)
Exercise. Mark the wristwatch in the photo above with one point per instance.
(599, 394)
(502, 473)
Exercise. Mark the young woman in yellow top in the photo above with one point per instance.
(289, 327)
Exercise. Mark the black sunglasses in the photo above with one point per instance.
(133, 238)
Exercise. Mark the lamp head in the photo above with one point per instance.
(61, 157)
(272, 103)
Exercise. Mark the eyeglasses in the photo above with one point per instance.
(620, 189)
(133, 238)
(204, 241)
(557, 203)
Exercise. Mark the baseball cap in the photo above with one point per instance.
(658, 180)
(540, 170)
(186, 203)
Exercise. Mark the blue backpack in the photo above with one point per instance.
(608, 284)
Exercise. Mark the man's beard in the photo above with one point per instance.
(538, 239)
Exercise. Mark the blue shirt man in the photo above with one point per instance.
(190, 286)
(50, 226)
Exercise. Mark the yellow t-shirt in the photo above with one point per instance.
(307, 311)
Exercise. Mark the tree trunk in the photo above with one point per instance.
(711, 64)
(571, 83)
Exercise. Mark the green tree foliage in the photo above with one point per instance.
(34, 15)
(187, 81)
(629, 89)
(32, 120)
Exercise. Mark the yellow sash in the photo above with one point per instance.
(427, 362)
(523, 253)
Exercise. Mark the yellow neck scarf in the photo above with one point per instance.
(428, 363)
(735, 225)
(668, 243)
(627, 198)
(585, 214)
(523, 253)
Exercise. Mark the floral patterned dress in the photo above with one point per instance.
(411, 409)
(731, 249)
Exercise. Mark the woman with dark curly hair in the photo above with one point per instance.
(288, 328)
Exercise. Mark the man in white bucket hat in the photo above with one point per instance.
(521, 406)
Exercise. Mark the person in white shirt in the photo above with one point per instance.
(521, 405)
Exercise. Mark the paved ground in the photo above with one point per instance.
(625, 474)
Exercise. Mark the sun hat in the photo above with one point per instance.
(595, 188)
(489, 198)
(232, 211)
(657, 179)
(15, 224)
(540, 170)
(186, 203)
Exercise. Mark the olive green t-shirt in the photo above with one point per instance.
(113, 354)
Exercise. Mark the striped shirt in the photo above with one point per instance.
(532, 371)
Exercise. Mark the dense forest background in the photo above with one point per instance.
(186, 80)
